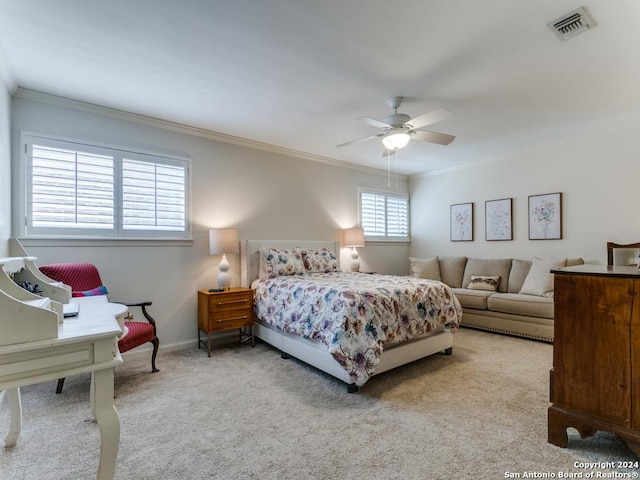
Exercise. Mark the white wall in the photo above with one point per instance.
(5, 169)
(265, 195)
(599, 177)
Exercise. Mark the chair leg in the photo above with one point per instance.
(60, 385)
(155, 342)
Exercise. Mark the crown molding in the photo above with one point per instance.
(65, 102)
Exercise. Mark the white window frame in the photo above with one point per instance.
(384, 237)
(119, 154)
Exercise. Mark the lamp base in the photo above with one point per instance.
(355, 263)
(224, 278)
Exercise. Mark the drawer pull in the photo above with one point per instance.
(220, 320)
(232, 302)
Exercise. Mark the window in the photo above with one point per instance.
(384, 216)
(75, 189)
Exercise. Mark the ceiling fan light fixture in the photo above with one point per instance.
(396, 139)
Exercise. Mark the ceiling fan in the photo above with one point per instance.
(399, 128)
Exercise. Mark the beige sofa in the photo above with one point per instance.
(501, 295)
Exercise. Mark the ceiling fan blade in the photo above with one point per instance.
(428, 118)
(357, 140)
(373, 122)
(433, 137)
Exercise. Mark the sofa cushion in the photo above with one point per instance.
(472, 298)
(539, 280)
(425, 268)
(519, 271)
(452, 270)
(528, 305)
(488, 267)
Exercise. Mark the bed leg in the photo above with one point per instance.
(284, 355)
(448, 351)
(352, 388)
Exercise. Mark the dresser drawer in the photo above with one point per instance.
(230, 301)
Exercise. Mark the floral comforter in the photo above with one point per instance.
(355, 315)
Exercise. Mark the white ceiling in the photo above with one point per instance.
(295, 73)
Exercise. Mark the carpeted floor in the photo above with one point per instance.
(245, 413)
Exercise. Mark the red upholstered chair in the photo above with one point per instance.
(84, 280)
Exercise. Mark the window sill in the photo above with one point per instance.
(376, 243)
(104, 242)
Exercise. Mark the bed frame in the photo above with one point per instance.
(314, 352)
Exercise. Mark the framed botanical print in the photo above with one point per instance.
(498, 219)
(545, 216)
(461, 222)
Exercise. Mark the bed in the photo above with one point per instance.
(349, 325)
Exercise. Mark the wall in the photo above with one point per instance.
(5, 169)
(599, 179)
(265, 195)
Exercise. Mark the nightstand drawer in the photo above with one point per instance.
(228, 320)
(230, 301)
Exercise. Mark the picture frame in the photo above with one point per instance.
(498, 219)
(545, 216)
(461, 222)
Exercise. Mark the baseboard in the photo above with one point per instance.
(144, 351)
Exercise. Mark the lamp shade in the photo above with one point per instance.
(396, 139)
(354, 237)
(223, 240)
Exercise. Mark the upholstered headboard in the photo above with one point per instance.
(250, 254)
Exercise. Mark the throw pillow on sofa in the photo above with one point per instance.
(479, 282)
(428, 268)
(488, 267)
(539, 280)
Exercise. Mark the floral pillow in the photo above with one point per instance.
(275, 262)
(479, 282)
(320, 261)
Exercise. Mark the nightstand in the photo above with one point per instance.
(219, 311)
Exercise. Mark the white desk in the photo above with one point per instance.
(85, 343)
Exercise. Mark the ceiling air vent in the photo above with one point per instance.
(572, 24)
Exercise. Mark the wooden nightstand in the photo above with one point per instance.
(219, 311)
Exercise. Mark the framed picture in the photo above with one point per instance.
(545, 216)
(462, 222)
(498, 220)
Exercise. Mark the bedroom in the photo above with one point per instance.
(236, 185)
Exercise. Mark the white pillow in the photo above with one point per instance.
(539, 280)
(428, 268)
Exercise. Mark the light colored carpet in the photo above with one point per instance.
(245, 413)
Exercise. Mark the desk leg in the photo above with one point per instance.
(15, 409)
(107, 417)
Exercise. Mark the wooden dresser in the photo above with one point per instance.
(219, 311)
(595, 380)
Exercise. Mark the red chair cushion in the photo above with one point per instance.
(139, 334)
(79, 276)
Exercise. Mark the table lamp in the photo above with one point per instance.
(221, 242)
(354, 237)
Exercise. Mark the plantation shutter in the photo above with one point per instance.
(384, 216)
(153, 196)
(397, 215)
(71, 188)
(82, 190)
(372, 210)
